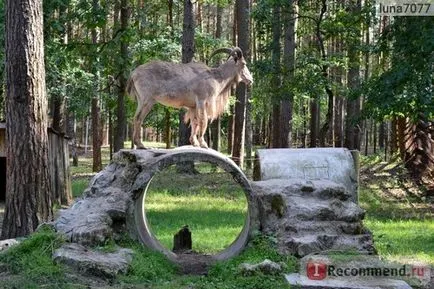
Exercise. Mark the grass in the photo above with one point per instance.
(32, 260)
(78, 186)
(398, 212)
(216, 207)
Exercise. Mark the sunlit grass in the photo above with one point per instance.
(215, 222)
(401, 221)
(407, 241)
(211, 204)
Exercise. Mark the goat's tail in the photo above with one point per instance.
(130, 89)
(189, 115)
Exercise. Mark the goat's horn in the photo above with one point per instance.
(222, 50)
(238, 52)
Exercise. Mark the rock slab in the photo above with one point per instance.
(94, 263)
(302, 282)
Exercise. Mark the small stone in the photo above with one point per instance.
(6, 244)
(266, 267)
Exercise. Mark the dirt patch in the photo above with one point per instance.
(192, 263)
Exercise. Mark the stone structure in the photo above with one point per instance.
(306, 216)
(115, 199)
(311, 216)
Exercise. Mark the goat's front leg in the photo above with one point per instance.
(203, 123)
(194, 131)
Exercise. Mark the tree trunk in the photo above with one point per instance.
(275, 80)
(216, 124)
(249, 133)
(96, 112)
(58, 100)
(381, 135)
(393, 136)
(187, 56)
(352, 127)
(419, 152)
(275, 126)
(339, 114)
(325, 129)
(289, 67)
(121, 124)
(243, 10)
(28, 191)
(231, 130)
(167, 130)
(401, 134)
(314, 122)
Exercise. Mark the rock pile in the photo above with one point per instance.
(311, 216)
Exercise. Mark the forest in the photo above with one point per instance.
(327, 73)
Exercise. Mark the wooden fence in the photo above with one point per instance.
(58, 154)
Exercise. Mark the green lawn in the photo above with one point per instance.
(211, 204)
(399, 215)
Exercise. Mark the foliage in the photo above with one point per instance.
(406, 87)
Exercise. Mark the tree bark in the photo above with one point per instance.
(352, 127)
(249, 133)
(188, 49)
(119, 136)
(216, 124)
(96, 111)
(28, 193)
(231, 130)
(289, 67)
(275, 80)
(314, 122)
(243, 9)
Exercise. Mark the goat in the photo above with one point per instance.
(203, 91)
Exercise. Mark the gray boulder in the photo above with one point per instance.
(94, 263)
(311, 216)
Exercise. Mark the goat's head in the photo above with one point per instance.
(236, 54)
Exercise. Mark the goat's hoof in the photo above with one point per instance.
(204, 145)
(140, 146)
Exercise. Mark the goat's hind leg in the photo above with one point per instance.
(141, 112)
(202, 123)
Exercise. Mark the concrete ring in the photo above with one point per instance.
(162, 159)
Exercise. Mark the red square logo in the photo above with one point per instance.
(316, 271)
